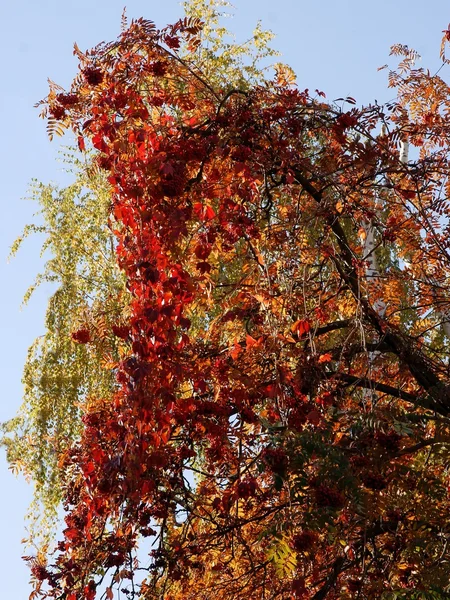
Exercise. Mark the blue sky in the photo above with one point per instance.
(333, 46)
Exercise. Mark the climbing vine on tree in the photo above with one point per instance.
(90, 292)
(280, 426)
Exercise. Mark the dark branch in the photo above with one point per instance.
(408, 353)
(341, 563)
(371, 384)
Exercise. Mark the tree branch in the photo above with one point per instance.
(419, 366)
(371, 384)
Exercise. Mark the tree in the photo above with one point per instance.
(280, 427)
(58, 372)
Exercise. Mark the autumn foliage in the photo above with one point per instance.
(281, 424)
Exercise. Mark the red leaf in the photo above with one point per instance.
(202, 251)
(209, 213)
(82, 336)
(71, 534)
(99, 143)
(184, 323)
(271, 390)
(198, 209)
(121, 331)
(167, 168)
(203, 267)
(313, 417)
(204, 212)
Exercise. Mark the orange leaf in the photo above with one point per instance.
(301, 327)
(165, 434)
(286, 338)
(235, 351)
(323, 358)
(250, 341)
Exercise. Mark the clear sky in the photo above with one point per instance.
(335, 46)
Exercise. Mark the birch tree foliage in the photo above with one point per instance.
(224, 60)
(89, 295)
